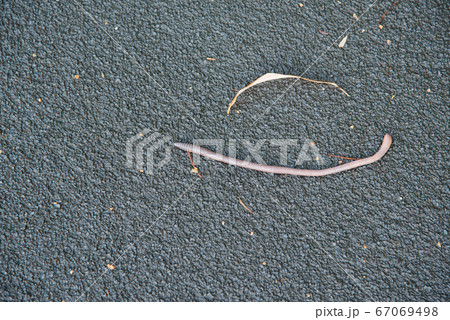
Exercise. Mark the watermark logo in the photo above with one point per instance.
(148, 151)
(308, 153)
(141, 149)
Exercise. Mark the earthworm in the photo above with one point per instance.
(387, 140)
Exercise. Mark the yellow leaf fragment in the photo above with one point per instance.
(110, 267)
(439, 244)
(355, 16)
(277, 76)
(343, 41)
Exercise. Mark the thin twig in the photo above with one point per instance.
(240, 201)
(379, 22)
(346, 158)
(195, 168)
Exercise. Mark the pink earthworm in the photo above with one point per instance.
(285, 170)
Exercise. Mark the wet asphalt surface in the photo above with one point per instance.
(80, 79)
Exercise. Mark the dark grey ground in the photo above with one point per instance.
(313, 234)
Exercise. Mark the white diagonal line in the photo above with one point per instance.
(117, 43)
(358, 283)
(315, 61)
(140, 236)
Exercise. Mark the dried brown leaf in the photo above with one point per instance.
(277, 76)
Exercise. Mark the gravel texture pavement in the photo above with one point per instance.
(79, 78)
